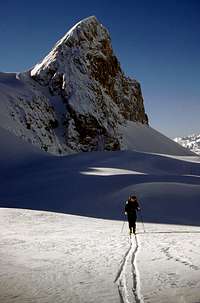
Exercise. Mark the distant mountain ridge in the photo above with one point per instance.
(191, 142)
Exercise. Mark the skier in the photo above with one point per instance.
(130, 210)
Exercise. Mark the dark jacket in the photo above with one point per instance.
(131, 207)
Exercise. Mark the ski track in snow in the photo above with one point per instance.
(130, 260)
(136, 279)
(121, 280)
(121, 276)
(185, 262)
(46, 257)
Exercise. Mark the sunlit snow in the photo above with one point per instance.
(106, 171)
(47, 257)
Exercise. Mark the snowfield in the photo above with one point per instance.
(50, 254)
(168, 264)
(49, 257)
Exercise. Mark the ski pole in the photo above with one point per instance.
(142, 220)
(123, 226)
(141, 216)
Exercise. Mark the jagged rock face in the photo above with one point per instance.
(84, 73)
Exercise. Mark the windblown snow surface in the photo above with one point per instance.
(70, 246)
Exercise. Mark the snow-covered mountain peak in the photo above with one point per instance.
(86, 36)
(78, 99)
(83, 71)
(87, 29)
(81, 92)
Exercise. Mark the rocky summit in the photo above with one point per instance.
(76, 98)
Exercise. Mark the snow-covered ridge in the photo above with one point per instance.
(76, 35)
(76, 98)
(191, 142)
(83, 70)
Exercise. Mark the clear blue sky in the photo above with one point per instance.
(157, 42)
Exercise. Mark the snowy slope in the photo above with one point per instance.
(26, 111)
(51, 257)
(104, 180)
(15, 152)
(48, 257)
(141, 137)
(191, 142)
(20, 118)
